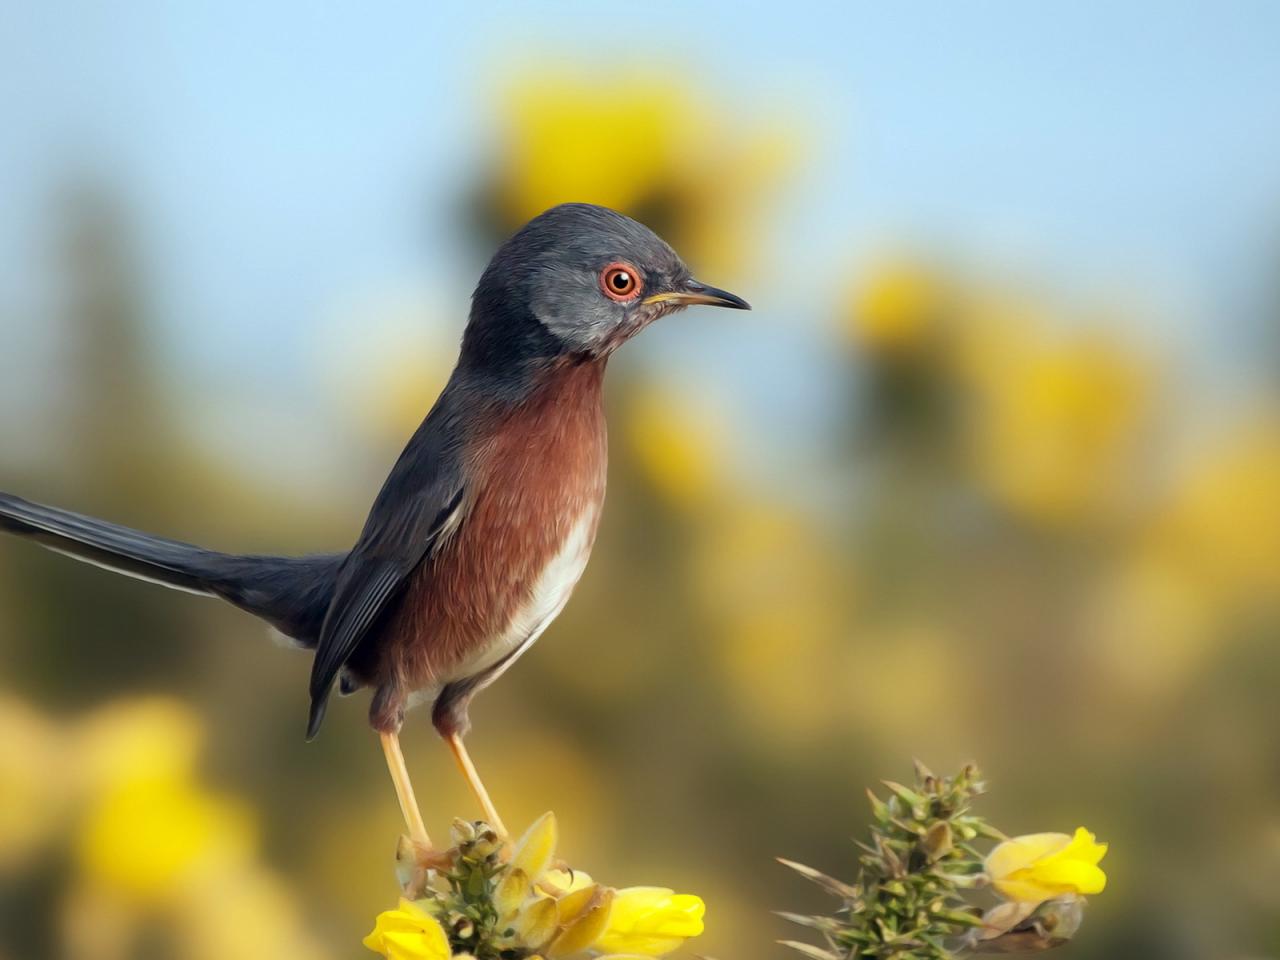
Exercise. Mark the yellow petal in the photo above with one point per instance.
(536, 923)
(1042, 866)
(408, 933)
(573, 903)
(560, 882)
(405, 946)
(512, 891)
(1070, 876)
(586, 928)
(1084, 846)
(535, 849)
(1022, 889)
(651, 921)
(1021, 852)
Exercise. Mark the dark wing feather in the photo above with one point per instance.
(423, 492)
(342, 632)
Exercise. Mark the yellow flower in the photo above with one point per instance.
(150, 827)
(1057, 419)
(898, 309)
(559, 882)
(135, 740)
(584, 918)
(676, 442)
(1221, 529)
(237, 914)
(565, 142)
(651, 921)
(1042, 866)
(574, 913)
(641, 142)
(408, 933)
(535, 850)
(543, 908)
(147, 839)
(529, 861)
(33, 781)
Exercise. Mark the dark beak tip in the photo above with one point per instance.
(722, 298)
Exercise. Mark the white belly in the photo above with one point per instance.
(550, 593)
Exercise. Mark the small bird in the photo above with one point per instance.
(486, 521)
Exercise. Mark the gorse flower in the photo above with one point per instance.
(471, 900)
(896, 310)
(152, 830)
(642, 142)
(651, 921)
(30, 804)
(1042, 866)
(912, 898)
(152, 853)
(408, 933)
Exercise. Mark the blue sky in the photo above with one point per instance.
(284, 160)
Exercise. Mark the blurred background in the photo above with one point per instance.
(991, 473)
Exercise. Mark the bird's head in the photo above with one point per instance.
(589, 277)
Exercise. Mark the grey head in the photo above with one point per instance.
(579, 279)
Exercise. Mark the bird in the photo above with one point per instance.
(486, 521)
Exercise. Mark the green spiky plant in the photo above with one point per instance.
(908, 902)
(459, 891)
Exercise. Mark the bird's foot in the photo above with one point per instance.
(415, 862)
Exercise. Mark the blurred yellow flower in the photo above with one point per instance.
(146, 838)
(1049, 412)
(149, 843)
(149, 827)
(244, 913)
(677, 448)
(1042, 866)
(900, 303)
(651, 921)
(408, 933)
(33, 791)
(610, 143)
(641, 143)
(1221, 530)
(1055, 419)
(1207, 558)
(132, 740)
(767, 575)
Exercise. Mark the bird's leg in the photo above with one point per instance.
(404, 789)
(449, 717)
(474, 782)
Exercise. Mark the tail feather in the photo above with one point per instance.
(290, 593)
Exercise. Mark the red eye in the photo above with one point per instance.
(620, 281)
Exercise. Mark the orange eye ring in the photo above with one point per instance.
(620, 281)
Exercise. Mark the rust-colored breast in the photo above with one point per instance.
(536, 477)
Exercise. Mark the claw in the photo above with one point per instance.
(415, 863)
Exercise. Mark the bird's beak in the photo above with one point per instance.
(692, 292)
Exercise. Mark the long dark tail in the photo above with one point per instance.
(290, 593)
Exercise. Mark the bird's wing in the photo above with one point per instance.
(418, 502)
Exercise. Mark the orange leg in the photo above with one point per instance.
(474, 782)
(404, 789)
